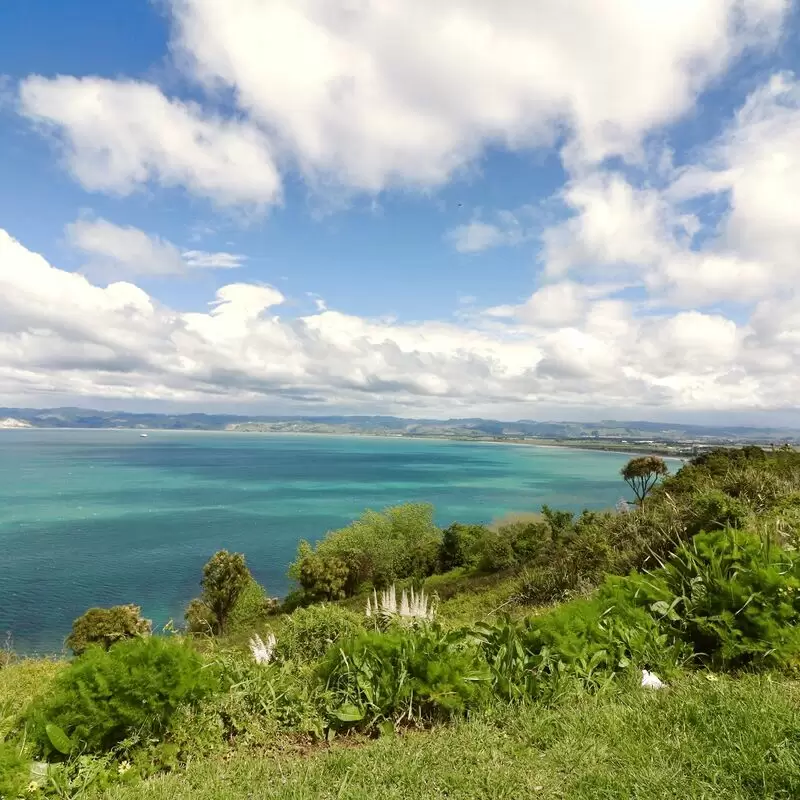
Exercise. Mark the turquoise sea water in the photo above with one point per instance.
(104, 517)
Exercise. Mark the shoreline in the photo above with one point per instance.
(546, 444)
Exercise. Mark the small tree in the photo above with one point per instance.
(105, 626)
(642, 474)
(225, 577)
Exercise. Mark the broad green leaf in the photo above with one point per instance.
(58, 739)
(348, 713)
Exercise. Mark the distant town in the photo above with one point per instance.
(678, 440)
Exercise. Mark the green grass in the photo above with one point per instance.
(732, 739)
(21, 683)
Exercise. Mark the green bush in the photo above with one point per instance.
(200, 619)
(495, 552)
(309, 632)
(323, 577)
(250, 609)
(402, 677)
(732, 595)
(376, 549)
(714, 510)
(14, 771)
(104, 697)
(458, 545)
(106, 626)
(259, 700)
(586, 643)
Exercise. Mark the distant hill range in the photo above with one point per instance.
(605, 432)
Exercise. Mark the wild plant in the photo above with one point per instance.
(405, 676)
(103, 697)
(413, 607)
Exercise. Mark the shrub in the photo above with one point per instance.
(587, 642)
(258, 700)
(200, 618)
(560, 522)
(408, 676)
(458, 545)
(495, 552)
(377, 548)
(322, 577)
(309, 632)
(104, 697)
(14, 771)
(225, 577)
(713, 510)
(106, 626)
(251, 608)
(732, 595)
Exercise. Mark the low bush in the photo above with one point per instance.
(106, 626)
(259, 700)
(14, 771)
(732, 595)
(586, 643)
(495, 552)
(458, 546)
(250, 609)
(104, 697)
(714, 510)
(309, 632)
(374, 550)
(408, 676)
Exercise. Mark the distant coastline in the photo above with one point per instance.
(614, 436)
(668, 453)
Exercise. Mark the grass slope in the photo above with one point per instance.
(734, 739)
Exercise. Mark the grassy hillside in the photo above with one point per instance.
(732, 739)
(513, 670)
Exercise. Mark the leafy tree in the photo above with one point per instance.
(560, 522)
(379, 547)
(199, 617)
(225, 577)
(105, 626)
(642, 474)
(323, 577)
(458, 545)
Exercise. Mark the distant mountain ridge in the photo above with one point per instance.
(477, 428)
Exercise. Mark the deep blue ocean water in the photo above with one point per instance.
(92, 518)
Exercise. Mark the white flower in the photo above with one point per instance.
(412, 606)
(263, 652)
(651, 681)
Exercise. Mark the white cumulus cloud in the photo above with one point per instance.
(367, 96)
(114, 251)
(120, 135)
(60, 334)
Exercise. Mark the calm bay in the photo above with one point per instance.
(101, 517)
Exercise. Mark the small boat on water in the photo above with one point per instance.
(143, 435)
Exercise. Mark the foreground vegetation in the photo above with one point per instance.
(514, 668)
(732, 739)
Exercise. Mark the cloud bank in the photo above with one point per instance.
(644, 299)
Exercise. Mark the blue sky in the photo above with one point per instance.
(496, 208)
